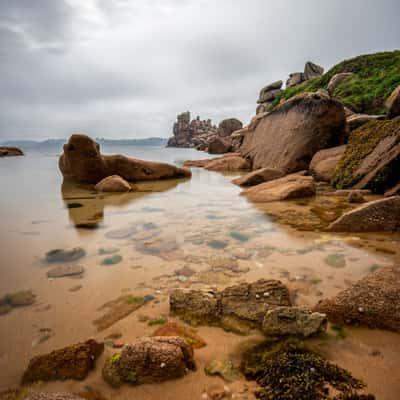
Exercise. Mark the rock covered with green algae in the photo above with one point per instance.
(289, 370)
(72, 362)
(22, 298)
(224, 368)
(296, 321)
(149, 360)
(65, 255)
(238, 308)
(372, 157)
(374, 301)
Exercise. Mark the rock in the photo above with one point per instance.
(272, 86)
(227, 126)
(199, 163)
(268, 96)
(113, 183)
(372, 157)
(354, 121)
(393, 103)
(72, 362)
(296, 321)
(374, 216)
(337, 79)
(171, 328)
(395, 190)
(307, 122)
(335, 260)
(229, 163)
(295, 78)
(22, 298)
(53, 396)
(7, 151)
(374, 301)
(258, 176)
(355, 197)
(224, 368)
(256, 120)
(120, 234)
(112, 260)
(149, 360)
(323, 93)
(219, 145)
(292, 186)
(82, 161)
(312, 71)
(237, 308)
(65, 270)
(68, 255)
(323, 164)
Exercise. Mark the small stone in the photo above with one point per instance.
(112, 260)
(65, 270)
(60, 255)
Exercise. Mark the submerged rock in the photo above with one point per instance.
(293, 321)
(237, 308)
(22, 298)
(259, 176)
(374, 301)
(149, 360)
(83, 162)
(115, 259)
(292, 186)
(308, 122)
(374, 216)
(113, 183)
(68, 255)
(72, 362)
(65, 270)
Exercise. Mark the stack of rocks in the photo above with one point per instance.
(311, 71)
(267, 95)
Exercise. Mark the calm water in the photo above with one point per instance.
(158, 230)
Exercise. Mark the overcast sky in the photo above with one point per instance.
(125, 68)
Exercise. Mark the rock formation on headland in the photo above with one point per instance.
(83, 162)
(6, 151)
(202, 135)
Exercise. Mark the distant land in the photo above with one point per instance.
(32, 144)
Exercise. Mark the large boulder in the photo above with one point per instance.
(73, 362)
(219, 145)
(292, 186)
(228, 126)
(293, 321)
(337, 79)
(374, 301)
(113, 183)
(7, 151)
(393, 103)
(372, 157)
(83, 162)
(323, 164)
(288, 137)
(258, 176)
(374, 216)
(312, 71)
(228, 163)
(268, 96)
(237, 308)
(149, 360)
(295, 78)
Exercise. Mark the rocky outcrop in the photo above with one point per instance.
(219, 145)
(293, 321)
(393, 103)
(113, 183)
(149, 360)
(312, 70)
(267, 95)
(336, 80)
(73, 362)
(354, 121)
(323, 164)
(374, 216)
(292, 186)
(83, 162)
(295, 78)
(237, 308)
(258, 176)
(372, 157)
(288, 137)
(7, 151)
(374, 301)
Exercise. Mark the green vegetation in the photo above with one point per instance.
(115, 357)
(375, 77)
(289, 370)
(157, 321)
(362, 141)
(134, 300)
(131, 377)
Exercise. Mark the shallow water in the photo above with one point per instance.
(159, 229)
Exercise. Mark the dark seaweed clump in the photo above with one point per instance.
(290, 371)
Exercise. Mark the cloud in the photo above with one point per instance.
(125, 68)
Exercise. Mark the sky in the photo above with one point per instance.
(126, 68)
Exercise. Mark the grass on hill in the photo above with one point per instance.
(375, 77)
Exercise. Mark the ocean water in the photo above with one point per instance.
(156, 231)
